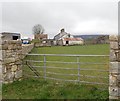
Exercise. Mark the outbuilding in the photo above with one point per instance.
(64, 38)
(10, 36)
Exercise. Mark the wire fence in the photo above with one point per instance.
(82, 68)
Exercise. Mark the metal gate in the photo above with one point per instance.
(87, 69)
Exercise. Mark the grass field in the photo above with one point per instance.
(89, 50)
(85, 49)
(40, 89)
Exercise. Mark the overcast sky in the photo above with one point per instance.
(76, 17)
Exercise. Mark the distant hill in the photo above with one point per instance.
(85, 37)
(94, 39)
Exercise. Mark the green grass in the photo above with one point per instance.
(102, 49)
(40, 89)
(85, 49)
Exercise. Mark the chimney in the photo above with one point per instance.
(62, 30)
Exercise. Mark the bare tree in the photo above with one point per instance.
(38, 29)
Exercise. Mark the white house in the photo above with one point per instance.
(64, 38)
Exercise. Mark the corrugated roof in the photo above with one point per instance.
(9, 33)
(73, 39)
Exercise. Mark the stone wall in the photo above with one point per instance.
(40, 36)
(114, 73)
(11, 60)
(26, 48)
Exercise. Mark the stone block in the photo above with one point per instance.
(3, 42)
(2, 55)
(18, 62)
(9, 76)
(118, 78)
(20, 57)
(8, 55)
(112, 97)
(114, 55)
(14, 42)
(5, 47)
(113, 80)
(114, 67)
(114, 45)
(14, 68)
(6, 82)
(19, 47)
(9, 51)
(19, 52)
(0, 77)
(18, 74)
(4, 75)
(11, 46)
(113, 37)
(0, 47)
(114, 91)
(11, 64)
(9, 60)
(4, 69)
(15, 46)
(118, 56)
(19, 67)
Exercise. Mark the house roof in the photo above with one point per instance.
(73, 39)
(10, 33)
(60, 35)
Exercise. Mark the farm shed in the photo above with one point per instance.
(10, 36)
(47, 42)
(73, 41)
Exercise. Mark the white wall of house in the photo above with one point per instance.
(73, 42)
(67, 36)
(62, 41)
(54, 42)
(81, 42)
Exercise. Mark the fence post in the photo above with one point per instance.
(45, 67)
(78, 61)
(114, 70)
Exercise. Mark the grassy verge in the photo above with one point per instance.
(40, 89)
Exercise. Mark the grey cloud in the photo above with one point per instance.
(75, 17)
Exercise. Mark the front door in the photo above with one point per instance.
(67, 42)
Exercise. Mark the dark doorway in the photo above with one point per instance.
(67, 42)
(15, 37)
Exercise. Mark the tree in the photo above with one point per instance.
(38, 29)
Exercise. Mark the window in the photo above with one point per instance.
(15, 37)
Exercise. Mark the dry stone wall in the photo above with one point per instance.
(26, 48)
(114, 73)
(12, 54)
(11, 60)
